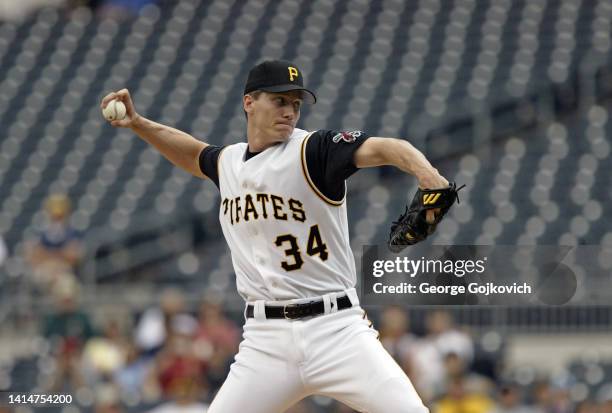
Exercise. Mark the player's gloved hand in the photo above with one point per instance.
(130, 113)
(431, 179)
(420, 219)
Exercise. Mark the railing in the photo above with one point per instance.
(149, 240)
(565, 319)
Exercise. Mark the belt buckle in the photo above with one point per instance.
(285, 314)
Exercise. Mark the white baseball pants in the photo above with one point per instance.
(337, 355)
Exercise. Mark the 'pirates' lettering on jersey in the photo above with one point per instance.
(286, 240)
(253, 206)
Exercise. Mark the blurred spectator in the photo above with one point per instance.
(120, 9)
(216, 341)
(542, 396)
(18, 10)
(510, 400)
(397, 340)
(456, 368)
(67, 328)
(561, 401)
(58, 249)
(604, 398)
(587, 406)
(67, 321)
(442, 338)
(109, 8)
(554, 396)
(459, 400)
(107, 399)
(108, 408)
(447, 337)
(605, 406)
(184, 394)
(154, 325)
(178, 370)
(132, 377)
(394, 334)
(103, 356)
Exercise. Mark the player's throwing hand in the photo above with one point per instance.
(122, 95)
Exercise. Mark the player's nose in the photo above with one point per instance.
(289, 114)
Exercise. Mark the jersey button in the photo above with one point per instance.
(244, 185)
(254, 232)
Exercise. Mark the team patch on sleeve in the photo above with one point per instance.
(348, 137)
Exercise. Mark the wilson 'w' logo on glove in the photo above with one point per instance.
(412, 226)
(430, 199)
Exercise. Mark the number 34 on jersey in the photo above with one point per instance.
(261, 205)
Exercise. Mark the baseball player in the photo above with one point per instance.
(283, 215)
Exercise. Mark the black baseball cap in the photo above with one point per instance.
(277, 76)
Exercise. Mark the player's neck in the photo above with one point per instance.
(258, 141)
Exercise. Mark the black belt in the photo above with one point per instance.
(302, 310)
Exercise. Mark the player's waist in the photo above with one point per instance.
(302, 308)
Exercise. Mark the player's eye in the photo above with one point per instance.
(297, 105)
(280, 101)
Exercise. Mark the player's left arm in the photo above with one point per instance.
(377, 151)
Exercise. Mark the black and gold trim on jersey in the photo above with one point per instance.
(311, 184)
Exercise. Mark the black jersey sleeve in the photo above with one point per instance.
(209, 157)
(329, 159)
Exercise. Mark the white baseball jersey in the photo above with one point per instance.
(287, 239)
(283, 214)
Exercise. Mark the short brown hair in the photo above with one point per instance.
(255, 94)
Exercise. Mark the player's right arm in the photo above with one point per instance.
(180, 148)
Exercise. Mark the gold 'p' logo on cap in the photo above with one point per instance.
(293, 72)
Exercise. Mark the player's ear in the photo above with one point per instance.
(247, 103)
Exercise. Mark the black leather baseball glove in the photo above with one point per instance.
(412, 226)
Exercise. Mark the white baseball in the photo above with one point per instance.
(115, 110)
